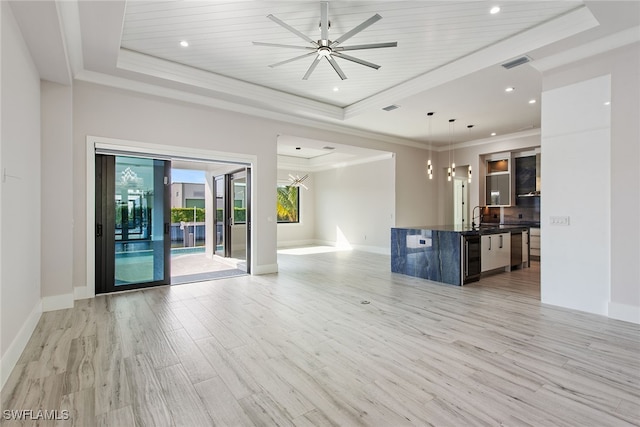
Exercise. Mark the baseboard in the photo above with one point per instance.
(295, 243)
(265, 269)
(628, 313)
(373, 249)
(363, 248)
(12, 355)
(344, 246)
(57, 302)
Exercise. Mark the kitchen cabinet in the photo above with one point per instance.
(496, 251)
(516, 249)
(498, 183)
(534, 244)
(525, 248)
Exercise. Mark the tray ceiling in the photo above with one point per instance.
(447, 59)
(429, 35)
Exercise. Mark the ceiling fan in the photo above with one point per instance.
(325, 48)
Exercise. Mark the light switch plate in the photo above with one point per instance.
(559, 220)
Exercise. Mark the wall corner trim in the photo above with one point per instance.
(12, 355)
(628, 313)
(57, 302)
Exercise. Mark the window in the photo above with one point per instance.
(288, 204)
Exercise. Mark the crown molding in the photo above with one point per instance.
(208, 101)
(285, 163)
(69, 17)
(490, 140)
(252, 93)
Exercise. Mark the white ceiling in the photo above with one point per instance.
(429, 35)
(447, 60)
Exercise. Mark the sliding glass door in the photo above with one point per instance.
(132, 223)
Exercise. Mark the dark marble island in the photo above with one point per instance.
(436, 252)
(428, 252)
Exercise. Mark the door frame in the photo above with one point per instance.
(136, 148)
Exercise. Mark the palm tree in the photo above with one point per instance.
(288, 204)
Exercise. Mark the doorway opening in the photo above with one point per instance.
(160, 221)
(460, 201)
(210, 207)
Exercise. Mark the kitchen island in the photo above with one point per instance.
(455, 254)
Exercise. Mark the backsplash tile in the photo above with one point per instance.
(513, 214)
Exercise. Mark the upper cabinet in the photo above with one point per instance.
(512, 178)
(498, 182)
(527, 176)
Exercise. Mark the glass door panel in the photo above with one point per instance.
(132, 223)
(139, 221)
(239, 215)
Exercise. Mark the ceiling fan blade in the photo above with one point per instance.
(356, 60)
(324, 20)
(375, 18)
(336, 67)
(283, 45)
(366, 46)
(292, 59)
(313, 66)
(293, 30)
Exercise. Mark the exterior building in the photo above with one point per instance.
(187, 195)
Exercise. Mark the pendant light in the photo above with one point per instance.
(451, 170)
(429, 164)
(469, 174)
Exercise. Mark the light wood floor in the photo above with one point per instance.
(299, 348)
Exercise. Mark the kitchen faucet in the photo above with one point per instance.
(473, 217)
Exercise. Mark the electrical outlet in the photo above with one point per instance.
(559, 220)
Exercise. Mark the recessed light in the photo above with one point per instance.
(336, 89)
(532, 101)
(184, 43)
(607, 103)
(493, 134)
(510, 89)
(494, 10)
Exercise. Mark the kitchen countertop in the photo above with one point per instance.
(467, 229)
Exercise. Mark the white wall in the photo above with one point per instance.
(416, 198)
(621, 197)
(120, 114)
(302, 233)
(57, 203)
(355, 205)
(20, 305)
(113, 113)
(576, 146)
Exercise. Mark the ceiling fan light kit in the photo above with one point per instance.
(325, 48)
